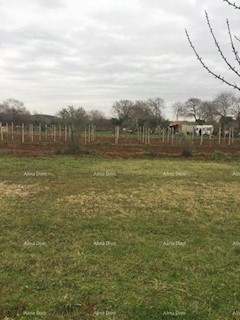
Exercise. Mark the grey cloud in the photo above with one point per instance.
(94, 56)
(51, 4)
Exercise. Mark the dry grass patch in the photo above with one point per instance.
(191, 198)
(18, 190)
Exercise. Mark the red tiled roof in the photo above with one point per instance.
(176, 123)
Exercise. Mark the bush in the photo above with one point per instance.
(103, 143)
(94, 152)
(152, 154)
(219, 155)
(187, 145)
(72, 150)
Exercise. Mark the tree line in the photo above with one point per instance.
(13, 110)
(133, 114)
(223, 110)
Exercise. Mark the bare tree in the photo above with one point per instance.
(224, 103)
(178, 109)
(236, 111)
(96, 116)
(123, 110)
(141, 110)
(99, 119)
(75, 118)
(192, 108)
(156, 105)
(209, 112)
(225, 59)
(12, 110)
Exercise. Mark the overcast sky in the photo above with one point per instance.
(55, 53)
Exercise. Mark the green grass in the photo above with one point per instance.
(130, 239)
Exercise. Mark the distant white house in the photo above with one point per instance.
(204, 129)
(191, 127)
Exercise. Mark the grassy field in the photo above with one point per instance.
(86, 238)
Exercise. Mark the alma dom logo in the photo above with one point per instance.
(236, 174)
(35, 174)
(174, 313)
(104, 174)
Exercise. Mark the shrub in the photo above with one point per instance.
(94, 152)
(152, 154)
(72, 150)
(219, 155)
(186, 144)
(104, 143)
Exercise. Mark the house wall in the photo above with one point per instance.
(185, 128)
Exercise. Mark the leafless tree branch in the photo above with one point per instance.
(232, 43)
(232, 4)
(237, 38)
(234, 49)
(219, 48)
(207, 68)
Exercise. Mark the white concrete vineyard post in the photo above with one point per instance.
(40, 132)
(143, 134)
(224, 139)
(12, 131)
(31, 133)
(69, 132)
(85, 135)
(65, 138)
(89, 133)
(60, 132)
(23, 140)
(1, 131)
(116, 134)
(7, 129)
(54, 133)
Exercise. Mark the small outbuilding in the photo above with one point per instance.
(183, 126)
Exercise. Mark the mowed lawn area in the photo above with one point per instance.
(91, 238)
